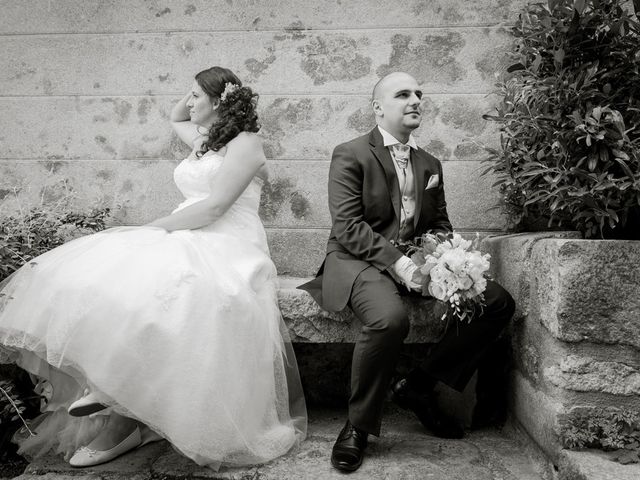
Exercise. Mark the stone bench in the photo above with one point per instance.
(308, 323)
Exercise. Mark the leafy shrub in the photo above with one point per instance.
(24, 236)
(569, 119)
(608, 429)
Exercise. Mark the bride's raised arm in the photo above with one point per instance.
(242, 161)
(181, 122)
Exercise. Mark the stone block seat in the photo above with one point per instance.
(308, 323)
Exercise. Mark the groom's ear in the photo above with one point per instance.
(377, 108)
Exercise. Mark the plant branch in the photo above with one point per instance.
(15, 407)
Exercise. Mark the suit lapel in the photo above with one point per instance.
(384, 158)
(419, 162)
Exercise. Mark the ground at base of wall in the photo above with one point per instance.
(403, 451)
(12, 466)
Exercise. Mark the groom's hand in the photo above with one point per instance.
(404, 271)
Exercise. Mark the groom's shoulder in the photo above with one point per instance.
(356, 144)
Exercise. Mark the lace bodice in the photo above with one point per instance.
(193, 178)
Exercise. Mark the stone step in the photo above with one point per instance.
(404, 451)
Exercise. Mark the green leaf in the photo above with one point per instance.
(558, 55)
(625, 167)
(620, 154)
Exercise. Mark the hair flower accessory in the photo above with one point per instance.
(229, 88)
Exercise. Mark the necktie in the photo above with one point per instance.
(401, 154)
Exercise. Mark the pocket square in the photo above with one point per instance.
(434, 181)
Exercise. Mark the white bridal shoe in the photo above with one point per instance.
(87, 405)
(86, 457)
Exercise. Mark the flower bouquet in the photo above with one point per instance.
(452, 270)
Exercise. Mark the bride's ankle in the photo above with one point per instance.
(119, 424)
(115, 430)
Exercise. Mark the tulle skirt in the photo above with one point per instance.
(180, 331)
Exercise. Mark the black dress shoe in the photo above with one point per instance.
(427, 410)
(349, 448)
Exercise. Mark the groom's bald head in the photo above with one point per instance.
(386, 82)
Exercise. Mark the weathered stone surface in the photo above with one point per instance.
(92, 128)
(297, 252)
(293, 127)
(307, 322)
(74, 16)
(588, 290)
(576, 335)
(575, 372)
(594, 465)
(136, 190)
(141, 190)
(538, 413)
(296, 194)
(470, 198)
(511, 263)
(586, 375)
(348, 61)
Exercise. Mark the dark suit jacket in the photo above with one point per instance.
(364, 202)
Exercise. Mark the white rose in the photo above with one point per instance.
(437, 273)
(437, 291)
(454, 259)
(458, 242)
(480, 286)
(465, 282)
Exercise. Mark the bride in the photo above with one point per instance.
(174, 326)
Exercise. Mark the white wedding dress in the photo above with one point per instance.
(179, 330)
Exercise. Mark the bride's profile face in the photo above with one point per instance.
(202, 108)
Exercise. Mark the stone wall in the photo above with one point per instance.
(86, 87)
(576, 333)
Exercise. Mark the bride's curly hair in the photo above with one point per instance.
(236, 110)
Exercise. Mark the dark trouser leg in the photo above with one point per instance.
(454, 359)
(376, 302)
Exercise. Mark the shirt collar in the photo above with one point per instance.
(389, 139)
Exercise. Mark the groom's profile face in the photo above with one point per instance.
(397, 103)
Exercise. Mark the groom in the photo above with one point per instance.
(383, 189)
